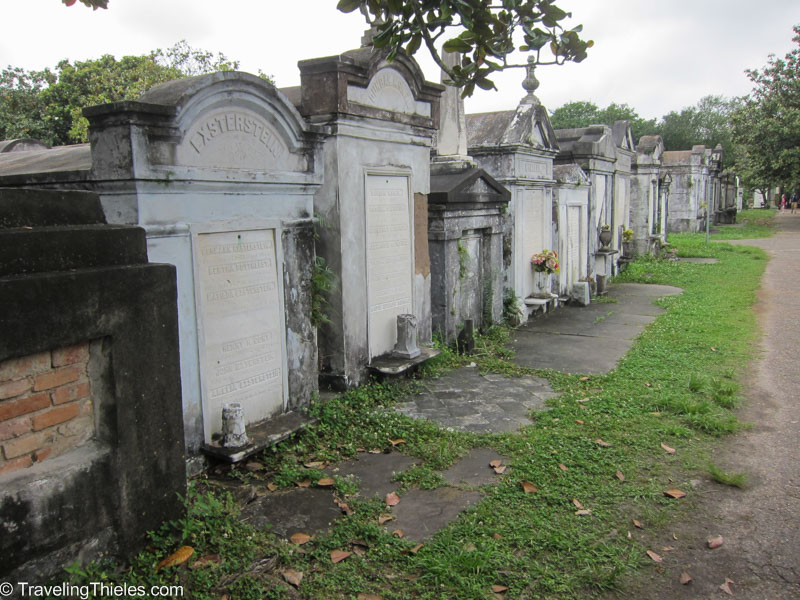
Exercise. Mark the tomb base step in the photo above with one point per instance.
(391, 366)
(262, 435)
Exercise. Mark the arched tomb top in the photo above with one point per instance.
(233, 120)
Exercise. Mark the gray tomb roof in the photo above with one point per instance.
(597, 140)
(469, 186)
(22, 145)
(570, 173)
(528, 125)
(58, 159)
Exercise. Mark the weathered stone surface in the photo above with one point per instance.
(590, 339)
(466, 400)
(421, 513)
(375, 472)
(473, 469)
(298, 510)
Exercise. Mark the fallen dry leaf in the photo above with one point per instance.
(499, 589)
(254, 466)
(495, 463)
(675, 493)
(345, 508)
(715, 542)
(528, 487)
(392, 499)
(685, 578)
(620, 476)
(359, 551)
(376, 451)
(497, 536)
(304, 483)
(326, 482)
(668, 548)
(314, 464)
(368, 597)
(668, 449)
(577, 503)
(579, 421)
(563, 467)
(299, 538)
(648, 384)
(415, 549)
(654, 556)
(637, 524)
(584, 379)
(674, 537)
(292, 576)
(584, 399)
(384, 518)
(630, 537)
(397, 442)
(180, 556)
(600, 442)
(470, 547)
(272, 486)
(207, 559)
(398, 533)
(500, 470)
(726, 587)
(583, 512)
(338, 556)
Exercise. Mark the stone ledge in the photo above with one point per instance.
(262, 435)
(390, 365)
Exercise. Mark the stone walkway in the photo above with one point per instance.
(581, 340)
(465, 400)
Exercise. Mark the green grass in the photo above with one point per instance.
(677, 386)
(733, 479)
(755, 223)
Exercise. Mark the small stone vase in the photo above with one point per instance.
(605, 238)
(541, 284)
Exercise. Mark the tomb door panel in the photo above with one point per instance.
(240, 324)
(471, 277)
(390, 258)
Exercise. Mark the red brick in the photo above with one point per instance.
(79, 353)
(55, 416)
(26, 445)
(70, 392)
(14, 408)
(47, 381)
(17, 368)
(40, 455)
(10, 389)
(16, 464)
(14, 428)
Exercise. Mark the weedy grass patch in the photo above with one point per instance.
(603, 454)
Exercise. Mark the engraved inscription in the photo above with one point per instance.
(532, 168)
(236, 138)
(231, 122)
(389, 258)
(242, 357)
(390, 91)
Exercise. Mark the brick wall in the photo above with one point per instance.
(45, 406)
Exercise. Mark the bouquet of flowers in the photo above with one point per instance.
(545, 261)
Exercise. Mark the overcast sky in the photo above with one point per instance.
(656, 55)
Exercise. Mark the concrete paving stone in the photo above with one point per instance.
(473, 469)
(298, 510)
(375, 471)
(463, 410)
(421, 513)
(560, 352)
(426, 402)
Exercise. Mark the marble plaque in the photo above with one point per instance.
(241, 340)
(390, 264)
(535, 218)
(236, 138)
(573, 245)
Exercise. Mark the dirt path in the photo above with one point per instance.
(760, 524)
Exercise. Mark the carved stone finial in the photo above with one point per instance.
(530, 83)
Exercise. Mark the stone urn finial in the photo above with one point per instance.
(530, 83)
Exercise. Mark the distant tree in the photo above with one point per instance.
(707, 123)
(583, 114)
(482, 31)
(767, 125)
(47, 104)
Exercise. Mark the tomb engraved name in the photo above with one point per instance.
(235, 122)
(240, 323)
